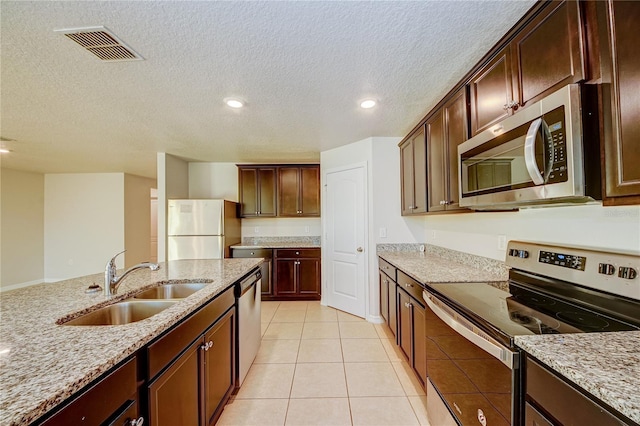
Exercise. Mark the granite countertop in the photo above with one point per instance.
(607, 365)
(440, 265)
(42, 363)
(278, 242)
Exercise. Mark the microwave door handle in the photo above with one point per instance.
(530, 152)
(493, 349)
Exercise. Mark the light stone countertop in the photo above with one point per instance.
(42, 363)
(607, 365)
(436, 266)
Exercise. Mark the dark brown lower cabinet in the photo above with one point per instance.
(195, 387)
(112, 400)
(297, 274)
(411, 326)
(388, 301)
(266, 254)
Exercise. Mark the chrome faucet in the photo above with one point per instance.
(112, 281)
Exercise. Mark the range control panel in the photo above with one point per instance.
(613, 272)
(564, 260)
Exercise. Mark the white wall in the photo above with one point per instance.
(213, 180)
(21, 228)
(137, 218)
(84, 223)
(615, 228)
(173, 182)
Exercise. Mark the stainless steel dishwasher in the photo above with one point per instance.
(248, 295)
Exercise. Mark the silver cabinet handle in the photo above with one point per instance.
(408, 285)
(297, 253)
(136, 422)
(407, 305)
(207, 345)
(359, 249)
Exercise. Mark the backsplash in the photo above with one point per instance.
(256, 241)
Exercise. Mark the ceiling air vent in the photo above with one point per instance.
(102, 43)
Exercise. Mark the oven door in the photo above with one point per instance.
(476, 377)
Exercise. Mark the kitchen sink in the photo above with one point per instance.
(171, 291)
(124, 312)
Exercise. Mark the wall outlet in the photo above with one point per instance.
(256, 229)
(306, 229)
(502, 242)
(433, 234)
(382, 232)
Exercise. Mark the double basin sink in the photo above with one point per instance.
(144, 304)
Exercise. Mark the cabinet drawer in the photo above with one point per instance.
(411, 286)
(244, 253)
(297, 253)
(101, 400)
(169, 346)
(388, 269)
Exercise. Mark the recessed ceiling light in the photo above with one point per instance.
(368, 103)
(233, 102)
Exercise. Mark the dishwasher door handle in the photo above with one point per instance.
(467, 330)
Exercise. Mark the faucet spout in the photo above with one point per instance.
(112, 280)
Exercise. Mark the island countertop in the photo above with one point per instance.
(43, 363)
(607, 365)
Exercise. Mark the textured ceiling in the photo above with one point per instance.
(301, 66)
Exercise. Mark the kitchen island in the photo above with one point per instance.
(605, 365)
(43, 363)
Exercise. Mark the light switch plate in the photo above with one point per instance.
(383, 232)
(502, 242)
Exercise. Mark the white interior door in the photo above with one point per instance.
(345, 239)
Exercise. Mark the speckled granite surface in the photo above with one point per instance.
(42, 364)
(278, 242)
(441, 265)
(607, 365)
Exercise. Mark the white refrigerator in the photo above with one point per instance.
(201, 229)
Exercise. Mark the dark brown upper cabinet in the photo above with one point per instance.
(491, 92)
(257, 191)
(548, 52)
(299, 191)
(544, 55)
(620, 62)
(446, 129)
(413, 172)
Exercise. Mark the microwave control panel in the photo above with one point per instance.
(557, 146)
(564, 260)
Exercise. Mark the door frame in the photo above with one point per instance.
(364, 165)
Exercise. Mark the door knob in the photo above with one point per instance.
(359, 249)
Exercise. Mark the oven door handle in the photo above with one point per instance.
(530, 152)
(467, 330)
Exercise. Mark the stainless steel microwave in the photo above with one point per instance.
(532, 158)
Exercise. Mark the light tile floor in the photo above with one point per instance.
(321, 366)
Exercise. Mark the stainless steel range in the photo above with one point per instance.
(472, 361)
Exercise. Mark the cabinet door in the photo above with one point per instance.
(308, 276)
(491, 92)
(248, 192)
(310, 191)
(436, 151)
(548, 52)
(174, 397)
(393, 307)
(419, 342)
(267, 192)
(413, 164)
(288, 190)
(285, 274)
(219, 366)
(621, 74)
(404, 324)
(455, 115)
(384, 296)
